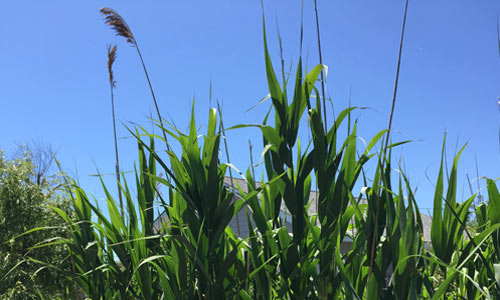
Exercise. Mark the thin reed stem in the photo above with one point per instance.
(383, 156)
(321, 62)
(228, 161)
(250, 148)
(112, 85)
(479, 196)
(152, 94)
(121, 28)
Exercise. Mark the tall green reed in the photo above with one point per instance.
(112, 85)
(194, 253)
(118, 24)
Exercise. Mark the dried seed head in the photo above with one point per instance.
(111, 60)
(118, 24)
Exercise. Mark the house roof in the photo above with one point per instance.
(426, 220)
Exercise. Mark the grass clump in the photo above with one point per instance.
(195, 254)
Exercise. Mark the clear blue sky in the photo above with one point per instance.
(53, 77)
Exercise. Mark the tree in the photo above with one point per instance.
(26, 197)
(41, 156)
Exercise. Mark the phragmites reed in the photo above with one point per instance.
(112, 84)
(498, 34)
(228, 161)
(382, 159)
(111, 61)
(321, 62)
(118, 24)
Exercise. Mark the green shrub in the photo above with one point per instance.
(26, 271)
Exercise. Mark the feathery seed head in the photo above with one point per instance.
(111, 60)
(118, 24)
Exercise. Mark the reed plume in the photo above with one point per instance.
(112, 85)
(118, 24)
(111, 61)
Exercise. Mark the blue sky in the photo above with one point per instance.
(53, 77)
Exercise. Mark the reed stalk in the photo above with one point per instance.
(382, 160)
(228, 160)
(196, 254)
(321, 63)
(118, 24)
(112, 86)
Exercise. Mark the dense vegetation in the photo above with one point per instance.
(196, 255)
(26, 198)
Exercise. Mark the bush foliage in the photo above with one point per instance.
(27, 271)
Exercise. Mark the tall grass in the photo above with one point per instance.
(382, 159)
(194, 254)
(112, 85)
(118, 24)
